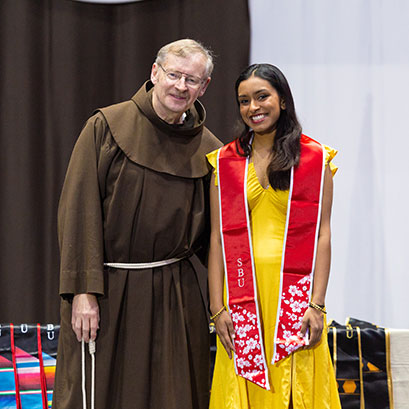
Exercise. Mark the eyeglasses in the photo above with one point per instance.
(175, 76)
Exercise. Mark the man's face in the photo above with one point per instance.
(172, 97)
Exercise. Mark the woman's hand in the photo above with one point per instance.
(314, 321)
(225, 331)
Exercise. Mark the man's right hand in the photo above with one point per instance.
(85, 317)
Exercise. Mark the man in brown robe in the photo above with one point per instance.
(134, 194)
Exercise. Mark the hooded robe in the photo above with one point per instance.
(135, 192)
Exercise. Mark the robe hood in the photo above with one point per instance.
(149, 141)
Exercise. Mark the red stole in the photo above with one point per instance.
(301, 233)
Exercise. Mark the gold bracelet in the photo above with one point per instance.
(318, 307)
(213, 317)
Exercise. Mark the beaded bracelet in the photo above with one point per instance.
(213, 317)
(318, 307)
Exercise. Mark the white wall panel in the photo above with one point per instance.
(347, 63)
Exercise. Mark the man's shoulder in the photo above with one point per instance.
(110, 115)
(120, 108)
(210, 139)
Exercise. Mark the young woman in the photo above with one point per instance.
(269, 263)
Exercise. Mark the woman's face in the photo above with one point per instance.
(260, 104)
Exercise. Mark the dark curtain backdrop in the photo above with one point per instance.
(59, 60)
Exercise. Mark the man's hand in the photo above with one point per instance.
(85, 317)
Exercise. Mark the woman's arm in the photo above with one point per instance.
(313, 319)
(224, 324)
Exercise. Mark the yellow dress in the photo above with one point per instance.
(306, 374)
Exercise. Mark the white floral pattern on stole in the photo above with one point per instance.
(249, 355)
(294, 303)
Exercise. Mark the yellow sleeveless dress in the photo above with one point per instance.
(307, 375)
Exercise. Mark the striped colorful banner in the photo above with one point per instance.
(27, 365)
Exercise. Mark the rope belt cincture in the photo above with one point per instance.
(143, 266)
(92, 349)
(92, 345)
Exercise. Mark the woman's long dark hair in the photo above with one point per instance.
(286, 147)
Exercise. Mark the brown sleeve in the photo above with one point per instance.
(80, 219)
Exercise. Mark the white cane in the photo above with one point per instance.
(92, 349)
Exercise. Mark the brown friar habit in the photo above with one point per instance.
(135, 192)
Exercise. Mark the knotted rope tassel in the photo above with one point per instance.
(92, 349)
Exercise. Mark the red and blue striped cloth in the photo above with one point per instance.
(27, 365)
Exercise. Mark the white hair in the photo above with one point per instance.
(183, 48)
